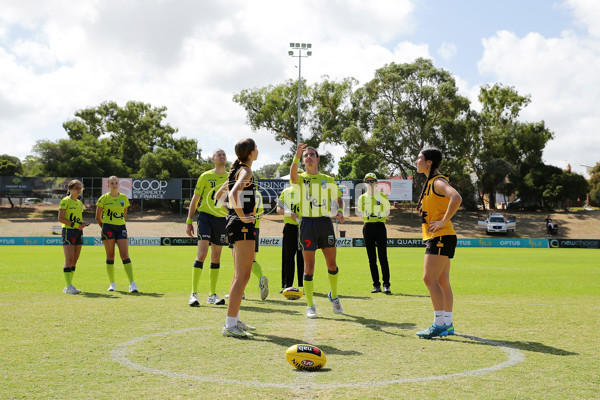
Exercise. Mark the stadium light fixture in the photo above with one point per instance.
(298, 47)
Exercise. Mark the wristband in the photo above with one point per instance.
(296, 160)
(189, 221)
(72, 224)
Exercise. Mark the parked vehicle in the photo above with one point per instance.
(31, 201)
(498, 223)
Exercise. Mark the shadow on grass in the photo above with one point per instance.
(92, 295)
(517, 344)
(342, 296)
(376, 324)
(288, 342)
(141, 294)
(268, 310)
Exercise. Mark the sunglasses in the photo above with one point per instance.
(370, 181)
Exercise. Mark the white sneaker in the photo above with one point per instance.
(112, 287)
(133, 288)
(264, 287)
(214, 299)
(236, 332)
(193, 302)
(244, 326)
(311, 312)
(71, 290)
(337, 306)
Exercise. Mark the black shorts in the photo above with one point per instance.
(116, 232)
(316, 233)
(237, 230)
(213, 229)
(441, 246)
(256, 240)
(72, 237)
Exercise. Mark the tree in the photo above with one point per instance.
(499, 146)
(268, 171)
(163, 164)
(595, 184)
(112, 140)
(323, 107)
(10, 165)
(356, 166)
(404, 109)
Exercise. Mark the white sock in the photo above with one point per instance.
(448, 318)
(438, 318)
(230, 322)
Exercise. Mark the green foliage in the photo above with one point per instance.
(353, 166)
(10, 165)
(112, 140)
(269, 171)
(548, 186)
(595, 184)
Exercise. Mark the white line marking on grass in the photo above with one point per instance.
(119, 354)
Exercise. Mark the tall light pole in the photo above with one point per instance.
(298, 53)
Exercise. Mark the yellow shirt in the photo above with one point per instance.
(208, 184)
(113, 208)
(259, 209)
(373, 207)
(317, 193)
(73, 210)
(433, 208)
(290, 198)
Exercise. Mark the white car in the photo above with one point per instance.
(497, 223)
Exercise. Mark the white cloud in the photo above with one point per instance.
(447, 50)
(561, 76)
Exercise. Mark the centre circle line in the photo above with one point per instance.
(119, 354)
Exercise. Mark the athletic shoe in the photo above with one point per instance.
(282, 289)
(386, 290)
(433, 331)
(450, 329)
(311, 312)
(133, 288)
(337, 306)
(244, 326)
(264, 287)
(236, 332)
(112, 287)
(376, 289)
(71, 290)
(214, 299)
(193, 301)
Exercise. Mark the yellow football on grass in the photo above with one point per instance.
(292, 293)
(305, 357)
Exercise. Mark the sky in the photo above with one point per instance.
(60, 56)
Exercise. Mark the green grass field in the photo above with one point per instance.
(527, 322)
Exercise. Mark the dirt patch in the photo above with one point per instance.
(38, 221)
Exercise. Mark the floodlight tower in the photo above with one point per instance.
(298, 47)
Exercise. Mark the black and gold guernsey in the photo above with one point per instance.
(248, 195)
(433, 208)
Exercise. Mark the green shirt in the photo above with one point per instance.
(113, 208)
(259, 209)
(73, 210)
(290, 198)
(208, 184)
(373, 207)
(317, 193)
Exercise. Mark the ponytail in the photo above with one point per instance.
(234, 166)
